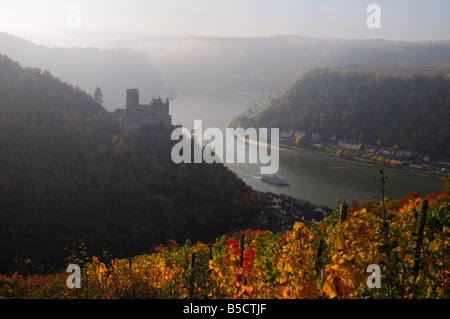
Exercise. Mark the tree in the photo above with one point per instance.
(447, 184)
(297, 141)
(98, 96)
(120, 148)
(354, 206)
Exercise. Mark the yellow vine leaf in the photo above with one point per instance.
(329, 289)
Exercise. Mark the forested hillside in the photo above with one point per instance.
(68, 176)
(411, 112)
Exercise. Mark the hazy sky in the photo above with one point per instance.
(64, 22)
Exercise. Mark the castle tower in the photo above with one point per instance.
(132, 101)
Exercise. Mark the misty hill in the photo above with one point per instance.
(68, 175)
(275, 63)
(112, 70)
(411, 112)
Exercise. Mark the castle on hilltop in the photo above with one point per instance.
(155, 114)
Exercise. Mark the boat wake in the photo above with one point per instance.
(252, 176)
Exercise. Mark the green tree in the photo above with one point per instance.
(98, 96)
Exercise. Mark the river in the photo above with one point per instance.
(319, 180)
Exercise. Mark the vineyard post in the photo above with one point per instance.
(419, 238)
(343, 212)
(191, 276)
(193, 261)
(342, 217)
(131, 276)
(129, 266)
(210, 251)
(87, 286)
(319, 255)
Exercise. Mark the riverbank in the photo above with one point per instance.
(259, 103)
(408, 171)
(356, 160)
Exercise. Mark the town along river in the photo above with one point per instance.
(317, 179)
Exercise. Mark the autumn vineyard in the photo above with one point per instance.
(407, 237)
